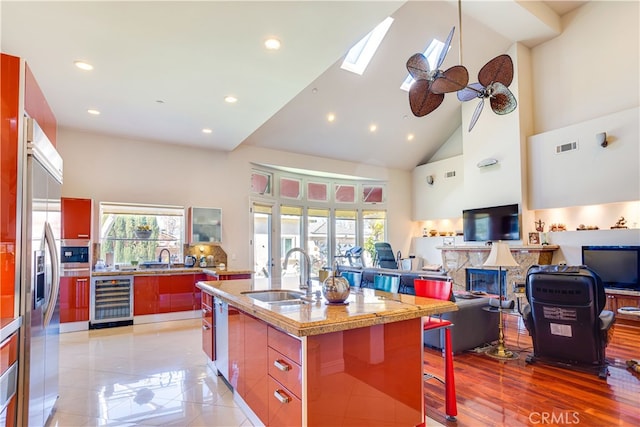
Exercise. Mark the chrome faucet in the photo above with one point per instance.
(305, 280)
(168, 257)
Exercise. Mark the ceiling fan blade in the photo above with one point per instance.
(421, 100)
(502, 100)
(499, 69)
(455, 78)
(418, 67)
(445, 49)
(474, 90)
(476, 114)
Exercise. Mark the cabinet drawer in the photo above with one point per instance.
(287, 345)
(207, 299)
(286, 372)
(207, 314)
(285, 409)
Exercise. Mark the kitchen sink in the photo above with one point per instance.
(276, 296)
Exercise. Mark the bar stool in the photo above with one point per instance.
(440, 289)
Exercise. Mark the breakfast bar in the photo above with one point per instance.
(300, 362)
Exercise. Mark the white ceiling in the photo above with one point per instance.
(190, 55)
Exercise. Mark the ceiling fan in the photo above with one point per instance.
(427, 92)
(493, 81)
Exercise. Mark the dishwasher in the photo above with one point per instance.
(221, 322)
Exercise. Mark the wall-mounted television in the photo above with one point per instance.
(617, 266)
(491, 223)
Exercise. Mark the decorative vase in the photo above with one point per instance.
(335, 289)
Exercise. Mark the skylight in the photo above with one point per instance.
(431, 53)
(360, 55)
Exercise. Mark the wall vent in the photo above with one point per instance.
(569, 146)
(450, 174)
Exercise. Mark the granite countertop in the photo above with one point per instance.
(211, 271)
(367, 307)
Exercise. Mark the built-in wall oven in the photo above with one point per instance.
(111, 301)
(75, 259)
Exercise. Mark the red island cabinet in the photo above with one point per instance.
(366, 358)
(74, 299)
(76, 218)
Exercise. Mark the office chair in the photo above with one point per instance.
(442, 290)
(565, 317)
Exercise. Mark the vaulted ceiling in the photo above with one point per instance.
(162, 69)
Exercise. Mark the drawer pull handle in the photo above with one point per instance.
(205, 311)
(281, 396)
(283, 366)
(205, 327)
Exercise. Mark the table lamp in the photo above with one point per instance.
(500, 256)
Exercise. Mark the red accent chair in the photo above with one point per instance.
(442, 290)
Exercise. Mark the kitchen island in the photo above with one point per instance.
(315, 364)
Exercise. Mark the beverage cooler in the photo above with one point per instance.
(111, 301)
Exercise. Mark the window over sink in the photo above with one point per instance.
(137, 233)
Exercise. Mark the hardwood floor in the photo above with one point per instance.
(511, 393)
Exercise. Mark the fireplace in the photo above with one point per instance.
(481, 280)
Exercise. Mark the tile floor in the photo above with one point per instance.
(142, 375)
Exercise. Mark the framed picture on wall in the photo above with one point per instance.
(534, 238)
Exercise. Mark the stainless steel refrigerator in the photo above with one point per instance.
(39, 276)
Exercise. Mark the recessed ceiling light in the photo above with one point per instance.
(93, 112)
(373, 128)
(230, 99)
(272, 43)
(206, 130)
(331, 117)
(83, 65)
(410, 137)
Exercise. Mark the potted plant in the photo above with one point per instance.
(143, 231)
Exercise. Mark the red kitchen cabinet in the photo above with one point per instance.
(181, 295)
(8, 359)
(76, 218)
(146, 295)
(208, 327)
(74, 299)
(10, 97)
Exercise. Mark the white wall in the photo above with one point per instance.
(591, 69)
(105, 168)
(590, 174)
(444, 198)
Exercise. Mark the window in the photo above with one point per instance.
(261, 183)
(291, 237)
(318, 239)
(345, 193)
(374, 231)
(137, 233)
(317, 191)
(360, 55)
(372, 194)
(290, 188)
(322, 213)
(346, 227)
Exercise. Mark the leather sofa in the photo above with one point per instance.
(473, 325)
